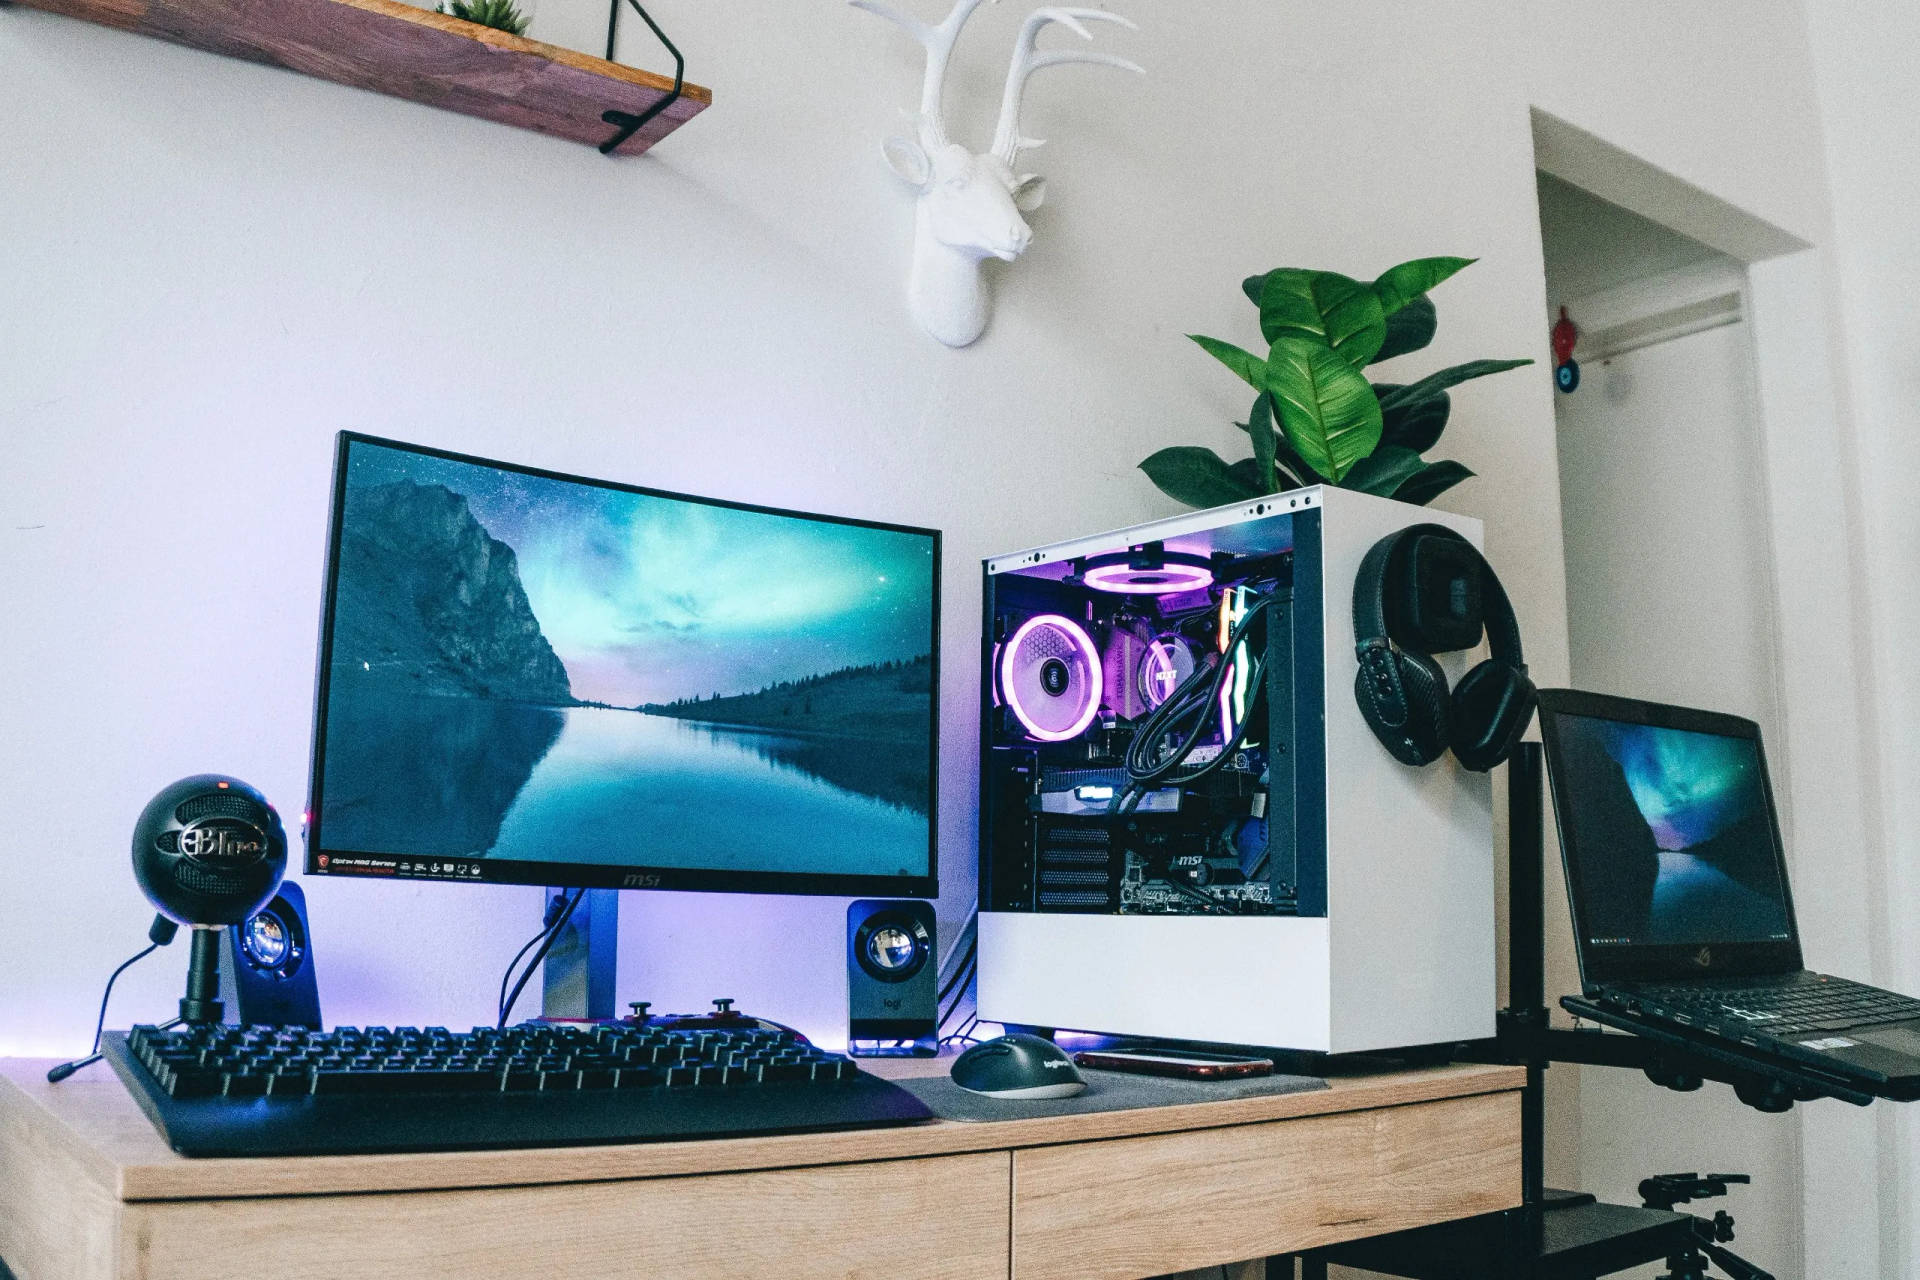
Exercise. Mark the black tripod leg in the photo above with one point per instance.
(1732, 1263)
(1312, 1268)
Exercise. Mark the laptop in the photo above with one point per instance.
(1678, 882)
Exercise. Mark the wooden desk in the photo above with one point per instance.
(88, 1191)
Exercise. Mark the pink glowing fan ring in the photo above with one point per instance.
(1151, 574)
(1050, 677)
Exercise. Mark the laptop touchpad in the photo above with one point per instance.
(1903, 1037)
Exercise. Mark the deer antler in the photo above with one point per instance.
(1007, 141)
(939, 42)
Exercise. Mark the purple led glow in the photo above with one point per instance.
(1164, 580)
(1226, 707)
(1160, 675)
(1160, 672)
(1028, 716)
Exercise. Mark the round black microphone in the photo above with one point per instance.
(208, 851)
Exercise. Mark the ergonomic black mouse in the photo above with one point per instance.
(1018, 1066)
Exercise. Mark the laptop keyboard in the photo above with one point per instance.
(1780, 1007)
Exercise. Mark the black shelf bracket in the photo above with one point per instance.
(625, 123)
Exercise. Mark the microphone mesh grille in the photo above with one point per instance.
(223, 804)
(190, 875)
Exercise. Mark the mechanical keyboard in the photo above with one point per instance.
(249, 1091)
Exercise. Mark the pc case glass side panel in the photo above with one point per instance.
(1047, 843)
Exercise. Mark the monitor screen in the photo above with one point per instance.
(534, 678)
(1669, 834)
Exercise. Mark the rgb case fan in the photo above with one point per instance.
(1050, 677)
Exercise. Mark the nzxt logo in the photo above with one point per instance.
(223, 840)
(1704, 957)
(640, 880)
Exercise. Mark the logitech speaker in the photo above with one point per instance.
(893, 1005)
(267, 976)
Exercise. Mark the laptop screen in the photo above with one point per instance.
(1668, 832)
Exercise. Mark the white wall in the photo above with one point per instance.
(209, 267)
(1874, 158)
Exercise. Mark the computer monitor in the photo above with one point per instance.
(533, 678)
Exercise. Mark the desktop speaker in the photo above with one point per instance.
(266, 965)
(892, 981)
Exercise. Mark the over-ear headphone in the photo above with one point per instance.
(1422, 591)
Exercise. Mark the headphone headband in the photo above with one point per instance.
(1370, 594)
(1370, 590)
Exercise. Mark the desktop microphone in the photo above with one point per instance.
(208, 852)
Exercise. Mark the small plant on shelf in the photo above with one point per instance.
(1316, 419)
(501, 15)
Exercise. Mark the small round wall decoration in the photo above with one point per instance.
(1566, 370)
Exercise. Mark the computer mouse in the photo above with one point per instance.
(1018, 1066)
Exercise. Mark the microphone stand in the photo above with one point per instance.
(202, 1003)
(159, 934)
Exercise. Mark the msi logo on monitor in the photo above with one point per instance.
(1704, 957)
(640, 880)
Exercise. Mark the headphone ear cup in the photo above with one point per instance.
(1492, 707)
(1412, 725)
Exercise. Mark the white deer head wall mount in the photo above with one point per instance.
(970, 206)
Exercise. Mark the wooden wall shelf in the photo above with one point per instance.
(397, 49)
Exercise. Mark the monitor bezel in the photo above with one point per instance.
(1649, 961)
(355, 863)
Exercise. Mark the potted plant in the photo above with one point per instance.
(501, 15)
(1316, 418)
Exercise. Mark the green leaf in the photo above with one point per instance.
(1408, 329)
(1244, 363)
(1397, 286)
(1326, 307)
(1289, 468)
(1247, 472)
(1326, 407)
(1290, 463)
(1196, 476)
(1426, 485)
(1384, 470)
(1414, 426)
(1434, 383)
(1260, 427)
(1252, 286)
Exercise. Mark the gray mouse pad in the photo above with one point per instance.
(1106, 1091)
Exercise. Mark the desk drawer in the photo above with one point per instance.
(1167, 1202)
(936, 1217)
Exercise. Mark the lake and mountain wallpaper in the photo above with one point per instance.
(552, 671)
(1676, 843)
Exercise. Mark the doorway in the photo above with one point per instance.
(1670, 588)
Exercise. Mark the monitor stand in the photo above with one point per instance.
(577, 980)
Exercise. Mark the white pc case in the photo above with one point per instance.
(1384, 934)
